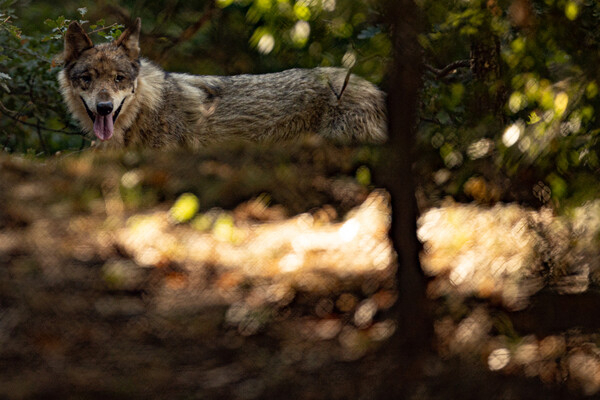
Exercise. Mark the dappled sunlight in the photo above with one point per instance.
(569, 357)
(584, 367)
(511, 134)
(280, 260)
(506, 252)
(503, 254)
(488, 253)
(249, 271)
(297, 245)
(318, 284)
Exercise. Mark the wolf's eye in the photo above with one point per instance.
(119, 78)
(86, 79)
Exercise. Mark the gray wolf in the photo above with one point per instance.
(125, 100)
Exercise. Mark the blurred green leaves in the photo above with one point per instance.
(531, 89)
(185, 208)
(315, 33)
(363, 175)
(33, 117)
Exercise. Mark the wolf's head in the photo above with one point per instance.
(101, 77)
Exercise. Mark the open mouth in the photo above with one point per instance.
(103, 124)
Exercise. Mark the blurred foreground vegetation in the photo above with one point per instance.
(143, 275)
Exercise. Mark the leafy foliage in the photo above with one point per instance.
(36, 121)
(529, 112)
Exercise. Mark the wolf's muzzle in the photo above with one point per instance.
(93, 117)
(104, 107)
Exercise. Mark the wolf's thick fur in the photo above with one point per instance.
(117, 95)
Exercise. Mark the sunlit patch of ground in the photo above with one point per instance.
(296, 246)
(507, 253)
(112, 278)
(112, 283)
(260, 268)
(486, 263)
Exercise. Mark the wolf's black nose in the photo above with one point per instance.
(104, 107)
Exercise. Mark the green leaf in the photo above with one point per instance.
(534, 118)
(50, 23)
(202, 223)
(363, 175)
(558, 186)
(224, 3)
(185, 208)
(224, 228)
(443, 117)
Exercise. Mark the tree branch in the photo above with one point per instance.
(40, 137)
(448, 69)
(17, 119)
(103, 28)
(191, 30)
(28, 53)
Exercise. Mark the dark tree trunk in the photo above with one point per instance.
(411, 343)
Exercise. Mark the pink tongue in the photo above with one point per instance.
(103, 126)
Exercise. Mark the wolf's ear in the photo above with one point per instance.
(76, 41)
(130, 40)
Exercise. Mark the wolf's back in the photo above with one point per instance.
(293, 102)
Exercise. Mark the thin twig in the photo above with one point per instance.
(430, 121)
(448, 69)
(339, 96)
(191, 30)
(29, 53)
(102, 29)
(10, 115)
(349, 73)
(50, 129)
(41, 139)
(363, 58)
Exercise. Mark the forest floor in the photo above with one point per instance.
(247, 272)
